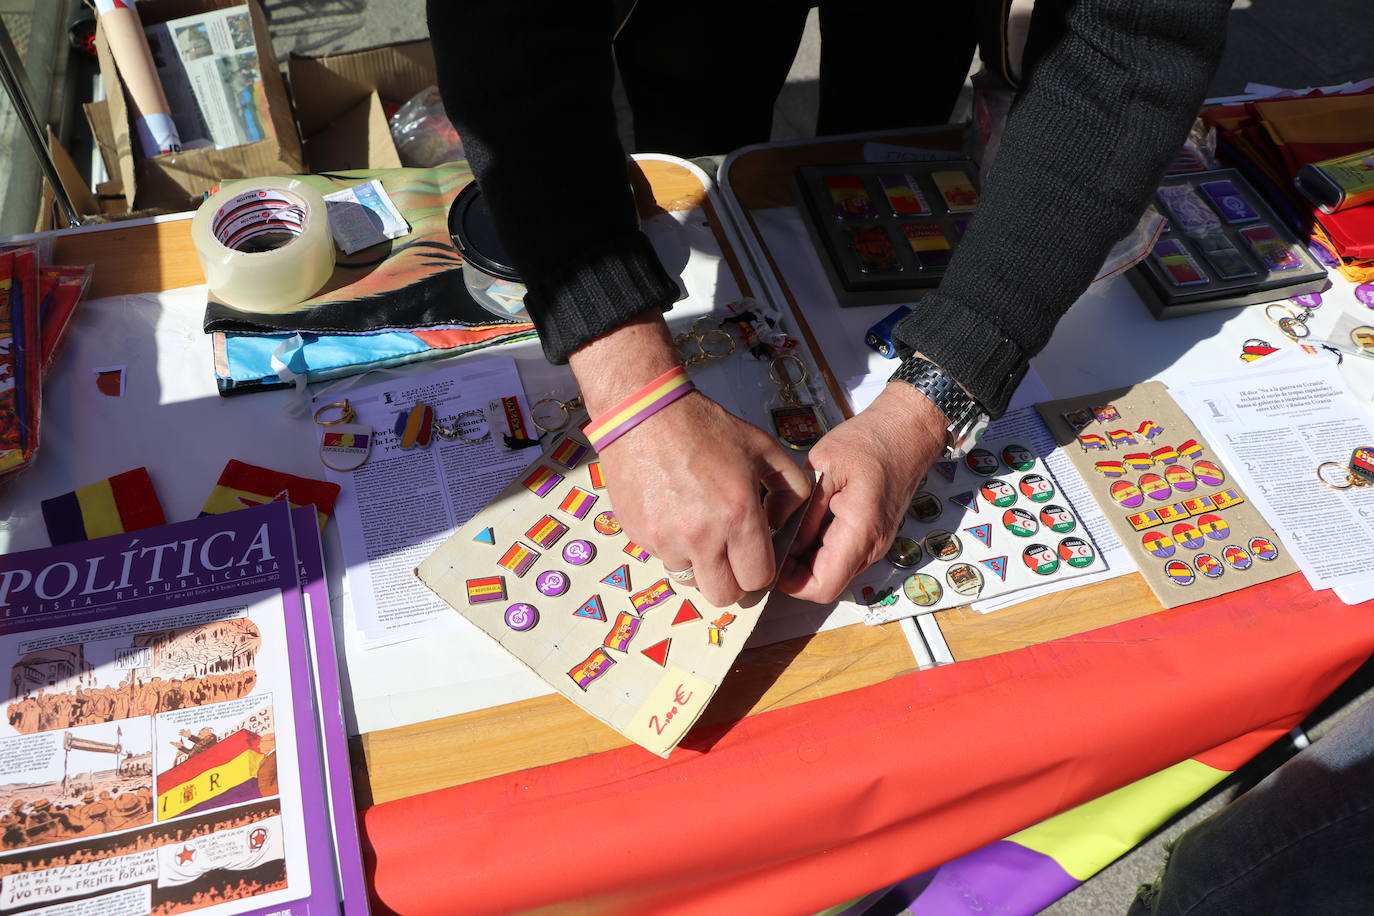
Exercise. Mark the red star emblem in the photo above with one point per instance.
(186, 855)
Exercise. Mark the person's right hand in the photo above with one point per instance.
(686, 482)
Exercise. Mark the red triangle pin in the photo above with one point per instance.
(658, 652)
(620, 578)
(686, 614)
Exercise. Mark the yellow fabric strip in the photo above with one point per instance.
(1086, 839)
(99, 513)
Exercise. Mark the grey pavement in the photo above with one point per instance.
(1314, 43)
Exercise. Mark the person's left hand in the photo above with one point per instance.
(870, 467)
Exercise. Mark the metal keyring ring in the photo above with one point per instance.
(1335, 464)
(1286, 325)
(346, 413)
(720, 353)
(774, 369)
(562, 406)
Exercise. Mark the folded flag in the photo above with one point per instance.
(119, 504)
(242, 485)
(1110, 468)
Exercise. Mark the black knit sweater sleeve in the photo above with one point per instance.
(528, 85)
(1112, 90)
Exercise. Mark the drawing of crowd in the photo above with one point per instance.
(189, 666)
(32, 823)
(213, 887)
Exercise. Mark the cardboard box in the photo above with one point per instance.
(177, 181)
(342, 102)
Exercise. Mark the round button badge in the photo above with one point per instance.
(1037, 488)
(606, 523)
(1126, 494)
(1236, 557)
(579, 552)
(1364, 294)
(1020, 522)
(922, 590)
(1039, 559)
(981, 462)
(1058, 519)
(943, 545)
(1018, 457)
(1179, 572)
(1158, 544)
(904, 553)
(998, 492)
(521, 617)
(1154, 486)
(964, 579)
(1209, 473)
(925, 507)
(1180, 478)
(1185, 535)
(1264, 549)
(1209, 565)
(1363, 339)
(1214, 526)
(552, 583)
(1076, 552)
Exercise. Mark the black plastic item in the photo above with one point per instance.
(469, 223)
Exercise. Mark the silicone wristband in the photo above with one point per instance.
(638, 407)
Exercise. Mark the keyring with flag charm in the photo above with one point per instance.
(344, 445)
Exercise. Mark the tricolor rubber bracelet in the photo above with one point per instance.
(638, 407)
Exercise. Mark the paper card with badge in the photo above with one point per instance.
(981, 526)
(547, 572)
(1166, 493)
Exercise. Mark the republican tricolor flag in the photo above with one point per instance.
(242, 486)
(122, 503)
(225, 773)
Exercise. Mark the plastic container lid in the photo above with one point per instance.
(469, 223)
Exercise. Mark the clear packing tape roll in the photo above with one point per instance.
(264, 243)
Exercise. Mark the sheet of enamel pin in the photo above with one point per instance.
(988, 524)
(547, 572)
(1166, 494)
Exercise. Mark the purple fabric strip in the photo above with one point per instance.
(1004, 878)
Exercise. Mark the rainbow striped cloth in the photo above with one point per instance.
(117, 505)
(1029, 870)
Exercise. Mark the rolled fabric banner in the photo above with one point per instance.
(264, 243)
(129, 45)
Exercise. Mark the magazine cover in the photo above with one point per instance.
(158, 752)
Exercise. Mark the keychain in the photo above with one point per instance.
(470, 426)
(1359, 472)
(344, 445)
(797, 424)
(698, 346)
(551, 415)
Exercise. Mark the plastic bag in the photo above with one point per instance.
(423, 134)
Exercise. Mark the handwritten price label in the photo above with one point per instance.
(670, 710)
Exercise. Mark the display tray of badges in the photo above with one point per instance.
(1221, 246)
(885, 232)
(1166, 494)
(990, 523)
(547, 572)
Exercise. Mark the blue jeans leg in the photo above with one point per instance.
(1301, 841)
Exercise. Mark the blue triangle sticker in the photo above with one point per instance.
(997, 565)
(591, 609)
(966, 500)
(485, 536)
(619, 579)
(982, 533)
(947, 469)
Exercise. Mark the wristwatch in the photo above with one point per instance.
(967, 419)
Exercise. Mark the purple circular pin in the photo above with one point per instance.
(521, 616)
(1307, 300)
(579, 552)
(1365, 294)
(552, 583)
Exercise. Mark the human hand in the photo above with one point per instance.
(685, 482)
(685, 485)
(870, 467)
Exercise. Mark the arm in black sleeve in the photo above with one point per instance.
(1114, 86)
(528, 83)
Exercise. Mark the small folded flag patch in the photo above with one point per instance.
(597, 477)
(634, 550)
(242, 486)
(546, 531)
(1110, 468)
(518, 559)
(119, 504)
(415, 426)
(489, 588)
